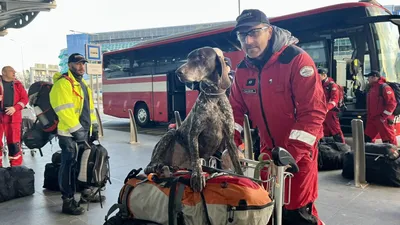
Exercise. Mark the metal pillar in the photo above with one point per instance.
(359, 153)
(101, 131)
(133, 128)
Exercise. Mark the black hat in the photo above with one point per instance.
(250, 18)
(322, 71)
(373, 73)
(76, 57)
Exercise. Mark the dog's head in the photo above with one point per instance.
(205, 65)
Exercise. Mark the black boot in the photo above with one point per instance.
(71, 207)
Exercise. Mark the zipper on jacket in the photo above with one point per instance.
(262, 109)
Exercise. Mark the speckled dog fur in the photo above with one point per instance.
(208, 128)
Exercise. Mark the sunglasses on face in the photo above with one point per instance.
(254, 33)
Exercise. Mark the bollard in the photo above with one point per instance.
(133, 132)
(178, 121)
(101, 131)
(359, 153)
(248, 142)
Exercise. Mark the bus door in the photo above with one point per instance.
(176, 96)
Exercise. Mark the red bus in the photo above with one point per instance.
(349, 39)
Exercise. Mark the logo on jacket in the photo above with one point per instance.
(249, 91)
(307, 71)
(251, 82)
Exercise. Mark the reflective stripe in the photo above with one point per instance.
(332, 102)
(75, 128)
(62, 107)
(302, 136)
(387, 112)
(238, 127)
(21, 104)
(14, 158)
(334, 89)
(64, 133)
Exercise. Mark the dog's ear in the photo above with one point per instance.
(223, 69)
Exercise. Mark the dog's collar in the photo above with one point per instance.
(209, 93)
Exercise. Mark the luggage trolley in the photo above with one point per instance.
(280, 167)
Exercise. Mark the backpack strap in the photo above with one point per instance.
(381, 89)
(72, 84)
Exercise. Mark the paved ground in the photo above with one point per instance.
(339, 203)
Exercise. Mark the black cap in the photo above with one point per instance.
(76, 57)
(250, 18)
(322, 71)
(373, 73)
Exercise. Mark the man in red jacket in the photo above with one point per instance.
(278, 86)
(331, 124)
(13, 99)
(381, 103)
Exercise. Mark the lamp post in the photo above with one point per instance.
(22, 62)
(239, 6)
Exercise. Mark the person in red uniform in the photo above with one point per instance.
(278, 86)
(13, 99)
(331, 124)
(381, 103)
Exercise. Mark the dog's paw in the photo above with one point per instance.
(198, 181)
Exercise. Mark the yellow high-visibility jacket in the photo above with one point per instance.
(67, 102)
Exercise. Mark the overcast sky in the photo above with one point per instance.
(43, 39)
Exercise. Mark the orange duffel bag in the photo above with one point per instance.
(226, 199)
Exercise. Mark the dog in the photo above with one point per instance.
(208, 128)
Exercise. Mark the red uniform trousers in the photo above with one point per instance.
(12, 131)
(331, 125)
(386, 131)
(306, 177)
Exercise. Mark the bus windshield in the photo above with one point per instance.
(386, 40)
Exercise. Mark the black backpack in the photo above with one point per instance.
(396, 89)
(93, 167)
(45, 126)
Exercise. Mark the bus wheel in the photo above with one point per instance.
(142, 115)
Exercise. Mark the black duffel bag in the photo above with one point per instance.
(7, 190)
(330, 155)
(382, 164)
(16, 182)
(24, 180)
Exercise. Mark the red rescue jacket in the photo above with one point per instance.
(285, 100)
(20, 100)
(331, 91)
(381, 101)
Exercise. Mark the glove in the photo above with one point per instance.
(95, 133)
(79, 135)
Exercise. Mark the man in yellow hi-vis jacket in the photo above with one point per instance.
(71, 99)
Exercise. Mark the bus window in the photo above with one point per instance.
(343, 49)
(116, 65)
(386, 35)
(386, 40)
(142, 67)
(318, 52)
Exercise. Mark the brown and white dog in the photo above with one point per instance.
(208, 128)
